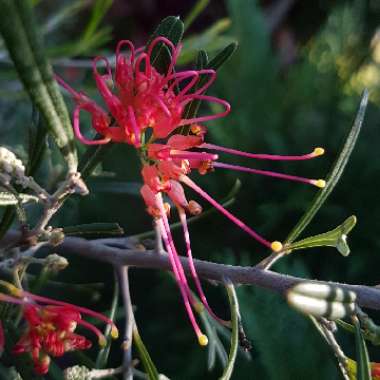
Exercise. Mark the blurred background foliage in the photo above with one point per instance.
(294, 84)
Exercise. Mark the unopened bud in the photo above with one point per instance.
(56, 237)
(194, 208)
(77, 372)
(56, 263)
(11, 166)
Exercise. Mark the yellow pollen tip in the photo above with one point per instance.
(321, 183)
(102, 341)
(318, 151)
(202, 340)
(114, 332)
(276, 246)
(199, 307)
(13, 290)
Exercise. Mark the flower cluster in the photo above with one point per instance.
(50, 327)
(145, 108)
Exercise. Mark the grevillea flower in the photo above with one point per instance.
(50, 327)
(144, 109)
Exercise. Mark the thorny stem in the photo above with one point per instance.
(123, 278)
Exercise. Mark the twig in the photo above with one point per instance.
(368, 297)
(324, 327)
(129, 322)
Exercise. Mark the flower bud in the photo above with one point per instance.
(56, 263)
(194, 208)
(77, 372)
(11, 166)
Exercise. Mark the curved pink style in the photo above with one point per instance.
(140, 98)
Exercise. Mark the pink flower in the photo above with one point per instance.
(143, 98)
(145, 108)
(50, 327)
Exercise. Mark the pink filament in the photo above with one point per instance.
(78, 133)
(212, 99)
(175, 50)
(80, 309)
(10, 299)
(176, 265)
(70, 90)
(264, 172)
(187, 181)
(185, 155)
(135, 127)
(90, 327)
(182, 215)
(131, 47)
(273, 157)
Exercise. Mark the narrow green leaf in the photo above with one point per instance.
(192, 108)
(235, 320)
(94, 229)
(172, 28)
(335, 173)
(362, 357)
(146, 360)
(99, 10)
(215, 346)
(334, 238)
(37, 143)
(92, 158)
(197, 9)
(102, 357)
(55, 372)
(18, 28)
(223, 56)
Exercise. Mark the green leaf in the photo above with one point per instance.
(94, 229)
(172, 28)
(192, 108)
(215, 346)
(235, 321)
(223, 56)
(92, 157)
(37, 143)
(362, 357)
(335, 173)
(99, 10)
(197, 9)
(146, 360)
(334, 238)
(102, 358)
(18, 28)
